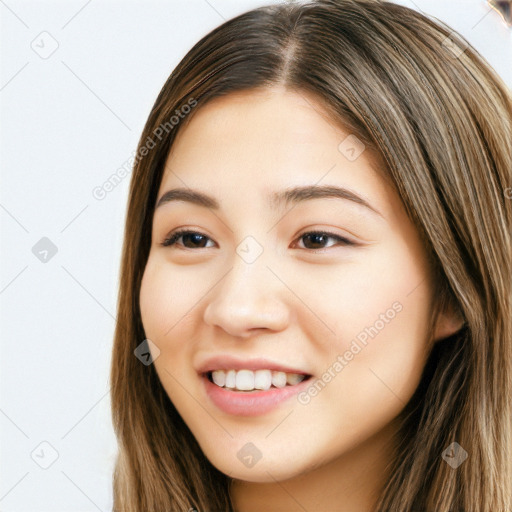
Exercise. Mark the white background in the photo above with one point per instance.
(68, 122)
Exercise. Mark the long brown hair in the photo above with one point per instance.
(440, 117)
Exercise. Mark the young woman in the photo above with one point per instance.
(315, 309)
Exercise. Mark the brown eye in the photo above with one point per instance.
(191, 239)
(318, 240)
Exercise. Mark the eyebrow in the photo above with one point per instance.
(278, 199)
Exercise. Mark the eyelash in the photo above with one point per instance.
(173, 237)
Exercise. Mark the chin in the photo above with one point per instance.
(263, 470)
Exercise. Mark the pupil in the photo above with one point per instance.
(196, 238)
(317, 238)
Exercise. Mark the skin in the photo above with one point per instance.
(294, 304)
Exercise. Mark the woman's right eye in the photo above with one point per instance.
(191, 239)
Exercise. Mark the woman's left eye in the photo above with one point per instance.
(314, 238)
(320, 237)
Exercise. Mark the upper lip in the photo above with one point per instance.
(228, 362)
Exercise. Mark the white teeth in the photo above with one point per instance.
(279, 379)
(244, 380)
(248, 380)
(230, 379)
(219, 377)
(262, 379)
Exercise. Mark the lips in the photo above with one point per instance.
(249, 403)
(261, 399)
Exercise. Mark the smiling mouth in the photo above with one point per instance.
(248, 381)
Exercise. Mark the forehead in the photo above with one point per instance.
(273, 135)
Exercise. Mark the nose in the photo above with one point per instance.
(248, 298)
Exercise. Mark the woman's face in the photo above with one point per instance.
(317, 283)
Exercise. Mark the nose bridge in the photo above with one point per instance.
(248, 279)
(247, 297)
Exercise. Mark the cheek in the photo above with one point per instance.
(155, 301)
(379, 294)
(166, 296)
(169, 301)
(163, 318)
(380, 313)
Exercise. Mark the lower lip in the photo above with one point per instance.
(240, 403)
